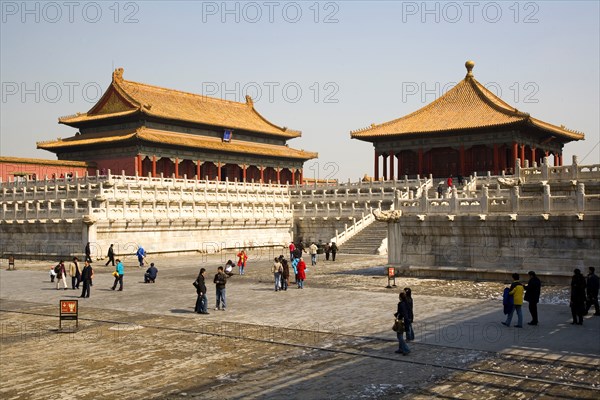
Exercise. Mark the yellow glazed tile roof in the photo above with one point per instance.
(178, 139)
(127, 97)
(469, 105)
(41, 161)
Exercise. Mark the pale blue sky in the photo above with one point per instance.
(371, 62)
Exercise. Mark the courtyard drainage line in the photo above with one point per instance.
(337, 351)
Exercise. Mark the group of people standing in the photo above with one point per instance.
(296, 251)
(78, 275)
(220, 281)
(584, 295)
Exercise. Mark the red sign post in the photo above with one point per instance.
(391, 274)
(69, 311)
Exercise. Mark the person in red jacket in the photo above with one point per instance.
(301, 267)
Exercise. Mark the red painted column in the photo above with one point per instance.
(560, 161)
(301, 177)
(461, 159)
(496, 165)
(293, 170)
(198, 168)
(376, 169)
(514, 155)
(219, 171)
(533, 158)
(176, 168)
(392, 156)
(262, 174)
(278, 175)
(522, 157)
(420, 167)
(244, 166)
(399, 175)
(154, 166)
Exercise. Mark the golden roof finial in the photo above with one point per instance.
(249, 101)
(469, 65)
(118, 75)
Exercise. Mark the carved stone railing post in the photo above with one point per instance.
(485, 198)
(547, 198)
(545, 169)
(514, 199)
(580, 197)
(454, 201)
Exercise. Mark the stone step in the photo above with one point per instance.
(367, 241)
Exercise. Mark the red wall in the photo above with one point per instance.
(116, 165)
(41, 168)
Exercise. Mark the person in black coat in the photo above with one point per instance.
(88, 253)
(577, 303)
(403, 314)
(86, 279)
(532, 296)
(111, 256)
(334, 249)
(593, 284)
(202, 300)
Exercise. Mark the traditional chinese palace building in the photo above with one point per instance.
(148, 130)
(468, 129)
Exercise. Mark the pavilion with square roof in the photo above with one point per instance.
(468, 129)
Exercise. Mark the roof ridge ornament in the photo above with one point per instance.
(469, 65)
(118, 75)
(249, 101)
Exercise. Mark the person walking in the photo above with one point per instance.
(202, 300)
(516, 291)
(118, 274)
(220, 281)
(88, 253)
(75, 273)
(334, 250)
(532, 296)
(111, 256)
(141, 255)
(285, 274)
(312, 250)
(592, 286)
(86, 279)
(301, 267)
(242, 257)
(277, 269)
(577, 303)
(327, 251)
(410, 333)
(61, 275)
(292, 247)
(402, 314)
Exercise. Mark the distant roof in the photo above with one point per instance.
(468, 105)
(41, 161)
(124, 98)
(178, 139)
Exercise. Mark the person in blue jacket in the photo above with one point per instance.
(119, 272)
(141, 255)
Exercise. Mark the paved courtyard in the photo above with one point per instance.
(331, 340)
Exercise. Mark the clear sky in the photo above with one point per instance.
(324, 68)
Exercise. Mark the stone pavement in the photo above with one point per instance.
(329, 340)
